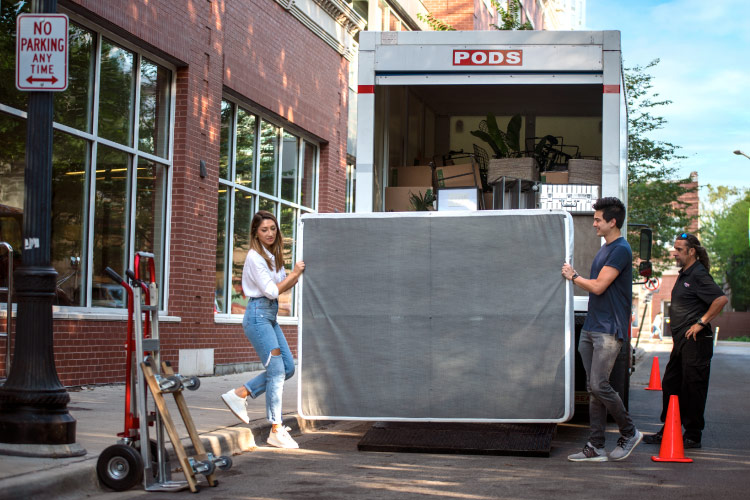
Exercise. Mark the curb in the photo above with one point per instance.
(79, 479)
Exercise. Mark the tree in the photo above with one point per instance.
(511, 18)
(434, 23)
(725, 235)
(654, 186)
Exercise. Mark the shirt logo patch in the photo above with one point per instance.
(687, 285)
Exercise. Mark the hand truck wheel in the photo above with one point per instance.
(192, 384)
(120, 467)
(224, 462)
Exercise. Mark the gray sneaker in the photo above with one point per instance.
(589, 454)
(625, 446)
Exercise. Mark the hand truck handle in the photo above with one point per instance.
(112, 274)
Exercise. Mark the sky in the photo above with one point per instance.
(704, 48)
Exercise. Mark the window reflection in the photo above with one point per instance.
(288, 223)
(153, 131)
(70, 160)
(269, 145)
(150, 210)
(12, 162)
(9, 95)
(308, 175)
(73, 106)
(116, 95)
(245, 148)
(289, 167)
(267, 205)
(226, 139)
(243, 215)
(221, 250)
(110, 224)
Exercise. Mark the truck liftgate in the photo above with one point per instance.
(456, 319)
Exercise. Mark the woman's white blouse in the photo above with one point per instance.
(257, 279)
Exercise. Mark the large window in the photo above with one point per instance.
(262, 167)
(111, 160)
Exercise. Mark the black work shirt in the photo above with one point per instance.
(692, 295)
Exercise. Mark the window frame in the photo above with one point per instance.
(230, 183)
(88, 311)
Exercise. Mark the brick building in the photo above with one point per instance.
(181, 120)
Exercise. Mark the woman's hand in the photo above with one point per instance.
(299, 268)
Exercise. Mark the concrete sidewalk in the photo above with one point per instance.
(99, 412)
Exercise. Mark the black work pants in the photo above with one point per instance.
(686, 376)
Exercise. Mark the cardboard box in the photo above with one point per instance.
(397, 199)
(420, 175)
(464, 175)
(555, 177)
(487, 200)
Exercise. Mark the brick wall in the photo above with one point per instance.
(462, 15)
(265, 57)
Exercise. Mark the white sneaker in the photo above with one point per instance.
(236, 404)
(281, 438)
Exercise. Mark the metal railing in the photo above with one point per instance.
(9, 309)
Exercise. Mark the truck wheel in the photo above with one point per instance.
(119, 467)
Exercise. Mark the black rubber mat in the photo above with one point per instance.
(533, 440)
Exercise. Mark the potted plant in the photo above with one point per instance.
(508, 159)
(504, 144)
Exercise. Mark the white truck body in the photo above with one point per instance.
(547, 73)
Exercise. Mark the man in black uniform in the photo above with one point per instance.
(696, 300)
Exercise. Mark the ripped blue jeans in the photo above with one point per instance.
(264, 333)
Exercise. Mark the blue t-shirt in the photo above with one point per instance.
(610, 311)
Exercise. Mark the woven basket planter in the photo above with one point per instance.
(585, 172)
(518, 168)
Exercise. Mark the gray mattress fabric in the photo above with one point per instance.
(437, 316)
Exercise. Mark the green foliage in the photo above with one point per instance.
(725, 235)
(504, 144)
(435, 24)
(422, 203)
(511, 18)
(654, 185)
(744, 338)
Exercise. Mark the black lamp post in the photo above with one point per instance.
(34, 418)
(738, 152)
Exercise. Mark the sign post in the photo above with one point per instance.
(34, 417)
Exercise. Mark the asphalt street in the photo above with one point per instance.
(328, 465)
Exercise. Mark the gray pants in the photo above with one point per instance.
(599, 352)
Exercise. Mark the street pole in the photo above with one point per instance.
(34, 418)
(738, 152)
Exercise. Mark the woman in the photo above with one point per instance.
(263, 280)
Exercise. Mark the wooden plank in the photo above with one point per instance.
(188, 420)
(169, 426)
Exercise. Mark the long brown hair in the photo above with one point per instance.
(276, 247)
(700, 253)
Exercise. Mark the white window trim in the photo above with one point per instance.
(97, 313)
(232, 186)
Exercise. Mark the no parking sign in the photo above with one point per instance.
(42, 52)
(652, 284)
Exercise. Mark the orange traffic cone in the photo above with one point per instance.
(654, 384)
(672, 449)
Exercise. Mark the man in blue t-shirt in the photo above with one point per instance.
(606, 328)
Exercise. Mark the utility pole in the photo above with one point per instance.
(34, 418)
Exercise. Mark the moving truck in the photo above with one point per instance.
(420, 95)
